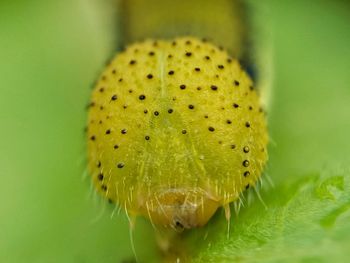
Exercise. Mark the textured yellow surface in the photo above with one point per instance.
(175, 130)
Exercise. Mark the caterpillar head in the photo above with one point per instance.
(175, 130)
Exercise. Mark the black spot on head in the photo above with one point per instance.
(124, 131)
(213, 87)
(171, 72)
(170, 111)
(246, 174)
(191, 107)
(207, 57)
(188, 54)
(246, 149)
(220, 66)
(104, 188)
(247, 124)
(250, 108)
(170, 56)
(100, 176)
(197, 69)
(93, 138)
(233, 146)
(199, 88)
(120, 165)
(132, 62)
(114, 97)
(125, 106)
(102, 89)
(101, 108)
(149, 76)
(235, 105)
(211, 129)
(151, 53)
(108, 131)
(142, 97)
(145, 111)
(229, 60)
(236, 83)
(182, 86)
(228, 121)
(156, 113)
(99, 164)
(183, 131)
(120, 80)
(147, 138)
(130, 90)
(245, 163)
(116, 146)
(188, 42)
(206, 116)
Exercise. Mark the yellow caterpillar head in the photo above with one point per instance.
(175, 130)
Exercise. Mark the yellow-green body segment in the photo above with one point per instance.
(175, 130)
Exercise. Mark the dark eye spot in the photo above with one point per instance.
(100, 176)
(101, 89)
(221, 66)
(233, 146)
(182, 86)
(191, 107)
(116, 146)
(207, 57)
(188, 42)
(92, 138)
(104, 187)
(247, 124)
(156, 113)
(188, 54)
(197, 69)
(228, 121)
(213, 87)
(114, 97)
(236, 83)
(246, 149)
(147, 138)
(245, 163)
(149, 76)
(170, 111)
(120, 165)
(184, 131)
(142, 97)
(246, 174)
(229, 60)
(235, 105)
(211, 129)
(132, 62)
(123, 131)
(98, 164)
(108, 131)
(151, 53)
(171, 72)
(250, 108)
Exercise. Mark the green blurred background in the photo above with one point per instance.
(50, 54)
